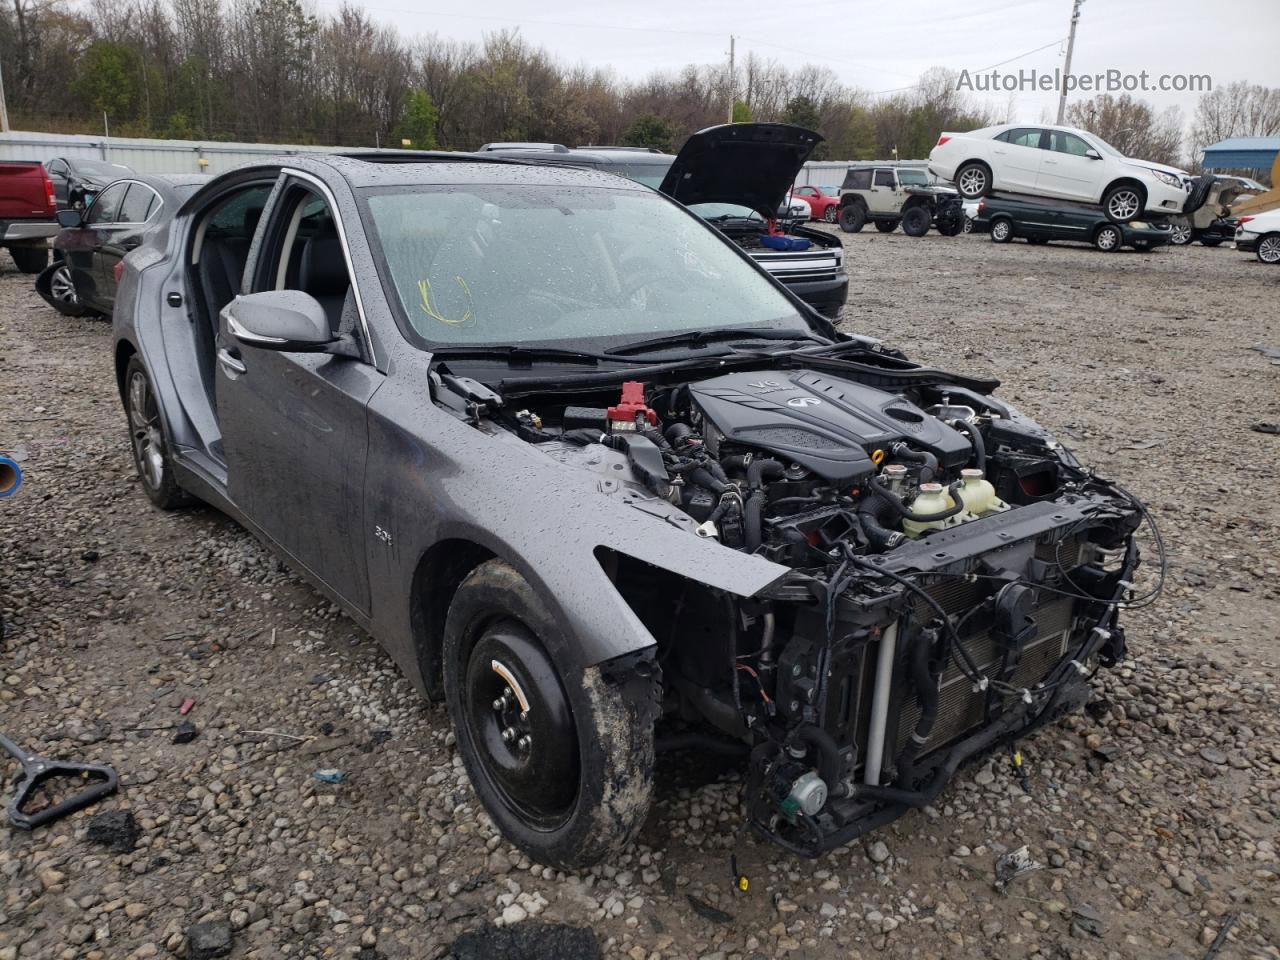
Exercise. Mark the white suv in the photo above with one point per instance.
(1260, 234)
(1058, 162)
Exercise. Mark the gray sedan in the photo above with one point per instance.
(588, 471)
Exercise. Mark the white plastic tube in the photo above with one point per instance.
(880, 706)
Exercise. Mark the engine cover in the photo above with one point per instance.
(823, 423)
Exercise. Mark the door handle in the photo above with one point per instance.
(1051, 163)
(131, 243)
(230, 363)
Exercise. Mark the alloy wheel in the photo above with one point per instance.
(1269, 250)
(144, 430)
(829, 215)
(972, 182)
(62, 287)
(1108, 238)
(1123, 205)
(1180, 234)
(1000, 230)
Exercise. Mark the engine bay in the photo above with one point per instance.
(954, 578)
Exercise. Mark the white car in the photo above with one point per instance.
(798, 208)
(1260, 234)
(1061, 163)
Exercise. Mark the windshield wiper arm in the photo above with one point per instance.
(699, 338)
(515, 353)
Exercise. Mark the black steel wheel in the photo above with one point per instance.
(147, 439)
(916, 221)
(563, 763)
(853, 217)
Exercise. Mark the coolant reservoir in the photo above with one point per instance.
(933, 498)
(977, 494)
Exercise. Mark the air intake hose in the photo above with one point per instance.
(753, 519)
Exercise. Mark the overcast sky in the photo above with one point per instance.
(881, 45)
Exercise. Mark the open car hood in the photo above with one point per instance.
(751, 164)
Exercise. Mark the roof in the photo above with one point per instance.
(1254, 153)
(599, 155)
(445, 168)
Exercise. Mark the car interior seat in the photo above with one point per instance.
(322, 272)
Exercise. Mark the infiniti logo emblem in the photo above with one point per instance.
(803, 402)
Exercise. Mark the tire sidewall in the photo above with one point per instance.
(1141, 203)
(1001, 230)
(915, 221)
(1261, 242)
(853, 217)
(169, 495)
(1104, 231)
(596, 824)
(986, 181)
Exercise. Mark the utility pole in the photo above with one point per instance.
(4, 111)
(1066, 67)
(732, 85)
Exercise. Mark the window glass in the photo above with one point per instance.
(239, 216)
(107, 205)
(914, 177)
(650, 174)
(857, 179)
(1025, 137)
(57, 167)
(139, 203)
(534, 263)
(1067, 143)
(884, 178)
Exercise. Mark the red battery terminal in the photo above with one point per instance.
(631, 409)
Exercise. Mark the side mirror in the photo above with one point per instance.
(70, 219)
(1093, 154)
(287, 320)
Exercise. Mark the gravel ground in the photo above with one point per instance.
(1155, 816)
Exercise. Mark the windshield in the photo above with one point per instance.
(1104, 146)
(720, 211)
(576, 267)
(914, 177)
(650, 174)
(99, 168)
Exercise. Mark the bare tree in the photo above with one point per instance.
(1132, 126)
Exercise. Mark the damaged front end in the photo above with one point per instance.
(954, 574)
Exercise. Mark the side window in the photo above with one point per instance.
(857, 180)
(1067, 143)
(304, 252)
(107, 205)
(140, 204)
(239, 216)
(57, 168)
(1004, 137)
(884, 178)
(806, 191)
(1025, 137)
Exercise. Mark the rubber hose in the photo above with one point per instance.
(906, 514)
(753, 520)
(975, 438)
(926, 689)
(928, 471)
(828, 754)
(756, 472)
(875, 524)
(703, 478)
(738, 461)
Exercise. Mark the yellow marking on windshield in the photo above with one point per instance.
(424, 292)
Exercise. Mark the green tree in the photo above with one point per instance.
(418, 119)
(108, 80)
(741, 112)
(802, 111)
(649, 131)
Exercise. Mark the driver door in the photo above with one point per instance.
(294, 428)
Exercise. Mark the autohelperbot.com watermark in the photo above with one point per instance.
(1108, 81)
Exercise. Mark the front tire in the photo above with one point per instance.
(1123, 203)
(853, 218)
(1181, 234)
(1269, 249)
(973, 180)
(563, 763)
(63, 293)
(150, 446)
(1108, 239)
(1001, 230)
(830, 214)
(30, 259)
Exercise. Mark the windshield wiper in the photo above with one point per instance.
(700, 338)
(514, 353)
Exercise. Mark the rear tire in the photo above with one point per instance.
(973, 180)
(1108, 238)
(30, 259)
(579, 788)
(1123, 203)
(1269, 249)
(886, 226)
(1211, 243)
(1181, 234)
(150, 446)
(1001, 230)
(916, 221)
(853, 218)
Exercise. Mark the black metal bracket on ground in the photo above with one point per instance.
(99, 779)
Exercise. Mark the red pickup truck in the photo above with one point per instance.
(28, 213)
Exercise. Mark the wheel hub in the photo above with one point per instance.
(62, 287)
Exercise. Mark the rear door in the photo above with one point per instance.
(1017, 157)
(140, 205)
(1067, 170)
(82, 251)
(293, 424)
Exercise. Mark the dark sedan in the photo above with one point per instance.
(1039, 221)
(76, 180)
(582, 466)
(88, 251)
